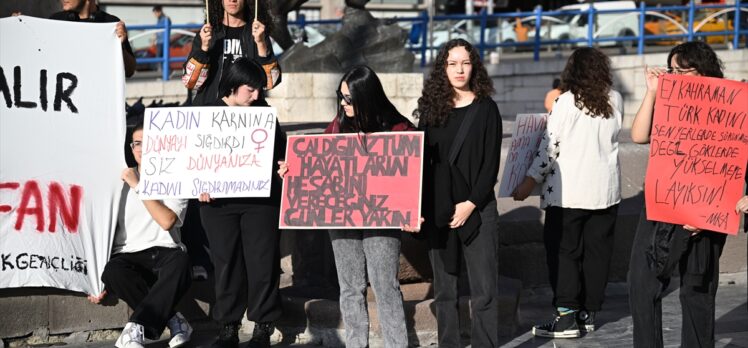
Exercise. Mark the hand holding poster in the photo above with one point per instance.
(698, 152)
(334, 181)
(223, 151)
(62, 128)
(526, 137)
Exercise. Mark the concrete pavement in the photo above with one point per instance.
(614, 322)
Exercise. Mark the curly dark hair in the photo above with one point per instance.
(217, 13)
(587, 75)
(696, 55)
(437, 98)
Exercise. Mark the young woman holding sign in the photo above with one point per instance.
(363, 107)
(243, 233)
(577, 165)
(463, 147)
(660, 247)
(234, 29)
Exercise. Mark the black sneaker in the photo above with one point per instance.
(228, 337)
(586, 320)
(261, 335)
(562, 326)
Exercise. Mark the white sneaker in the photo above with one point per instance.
(180, 330)
(131, 337)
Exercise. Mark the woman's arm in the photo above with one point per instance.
(642, 126)
(196, 67)
(164, 217)
(550, 145)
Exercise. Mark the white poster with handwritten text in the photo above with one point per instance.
(62, 137)
(526, 136)
(223, 151)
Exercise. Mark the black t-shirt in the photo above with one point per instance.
(232, 46)
(445, 176)
(96, 17)
(441, 138)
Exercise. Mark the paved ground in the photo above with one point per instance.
(615, 328)
(614, 322)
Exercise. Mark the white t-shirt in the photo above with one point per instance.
(137, 230)
(577, 160)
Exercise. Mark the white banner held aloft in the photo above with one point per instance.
(62, 130)
(223, 151)
(526, 136)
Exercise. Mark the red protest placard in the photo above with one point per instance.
(698, 152)
(353, 181)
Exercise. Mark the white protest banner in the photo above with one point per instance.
(223, 151)
(62, 131)
(526, 136)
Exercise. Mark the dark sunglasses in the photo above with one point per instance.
(347, 98)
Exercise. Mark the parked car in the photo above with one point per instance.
(180, 45)
(492, 35)
(607, 25)
(660, 26)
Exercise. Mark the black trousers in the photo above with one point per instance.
(481, 261)
(579, 245)
(646, 291)
(151, 282)
(244, 246)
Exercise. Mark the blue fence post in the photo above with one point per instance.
(591, 25)
(536, 46)
(736, 24)
(642, 13)
(424, 37)
(166, 35)
(483, 25)
(691, 13)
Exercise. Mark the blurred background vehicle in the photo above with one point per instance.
(180, 45)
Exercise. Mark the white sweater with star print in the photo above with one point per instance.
(577, 160)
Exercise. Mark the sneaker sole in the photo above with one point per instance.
(562, 334)
(178, 341)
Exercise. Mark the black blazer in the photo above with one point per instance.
(472, 176)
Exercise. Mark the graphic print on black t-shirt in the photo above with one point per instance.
(232, 47)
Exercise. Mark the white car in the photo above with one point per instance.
(607, 25)
(494, 35)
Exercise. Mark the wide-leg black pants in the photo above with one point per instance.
(244, 247)
(647, 287)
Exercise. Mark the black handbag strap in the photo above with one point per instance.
(463, 131)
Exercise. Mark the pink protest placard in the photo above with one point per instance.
(353, 181)
(698, 152)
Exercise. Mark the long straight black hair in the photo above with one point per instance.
(373, 111)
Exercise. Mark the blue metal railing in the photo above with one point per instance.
(536, 16)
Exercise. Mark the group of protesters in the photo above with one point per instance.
(232, 64)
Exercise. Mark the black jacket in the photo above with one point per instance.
(471, 177)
